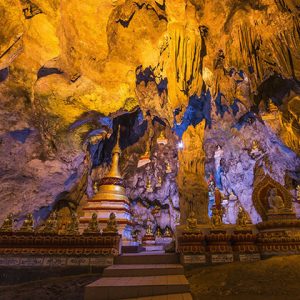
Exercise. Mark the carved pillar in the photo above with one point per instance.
(192, 186)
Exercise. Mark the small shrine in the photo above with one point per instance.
(110, 197)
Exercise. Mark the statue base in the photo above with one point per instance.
(244, 242)
(191, 243)
(148, 240)
(218, 241)
(285, 215)
(279, 235)
(163, 240)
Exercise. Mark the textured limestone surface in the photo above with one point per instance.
(273, 279)
(209, 72)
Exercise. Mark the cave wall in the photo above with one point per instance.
(208, 69)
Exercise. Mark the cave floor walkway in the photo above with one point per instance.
(151, 275)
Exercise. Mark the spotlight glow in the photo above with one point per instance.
(180, 145)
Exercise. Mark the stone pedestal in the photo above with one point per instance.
(244, 245)
(191, 243)
(219, 246)
(148, 239)
(280, 235)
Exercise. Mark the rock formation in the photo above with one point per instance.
(208, 72)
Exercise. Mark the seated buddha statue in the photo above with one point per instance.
(158, 232)
(51, 224)
(149, 230)
(242, 218)
(276, 203)
(216, 219)
(167, 233)
(7, 225)
(93, 226)
(95, 187)
(191, 222)
(27, 224)
(73, 226)
(112, 226)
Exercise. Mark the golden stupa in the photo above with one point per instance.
(111, 198)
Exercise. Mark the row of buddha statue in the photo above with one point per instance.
(159, 233)
(51, 225)
(216, 219)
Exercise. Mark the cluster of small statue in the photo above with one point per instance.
(216, 219)
(51, 225)
(26, 227)
(167, 233)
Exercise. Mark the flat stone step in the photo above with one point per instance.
(114, 288)
(149, 258)
(185, 296)
(143, 270)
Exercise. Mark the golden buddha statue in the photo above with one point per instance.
(191, 222)
(272, 107)
(73, 226)
(51, 224)
(276, 203)
(145, 158)
(93, 226)
(7, 225)
(255, 145)
(149, 230)
(159, 182)
(216, 219)
(149, 238)
(112, 226)
(95, 187)
(162, 138)
(168, 168)
(27, 224)
(167, 232)
(156, 210)
(242, 218)
(149, 186)
(158, 232)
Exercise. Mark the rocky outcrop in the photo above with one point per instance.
(68, 70)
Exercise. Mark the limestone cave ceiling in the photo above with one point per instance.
(207, 70)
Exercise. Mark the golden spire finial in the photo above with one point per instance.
(117, 148)
(116, 152)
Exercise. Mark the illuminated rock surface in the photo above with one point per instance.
(68, 69)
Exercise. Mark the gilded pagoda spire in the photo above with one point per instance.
(114, 169)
